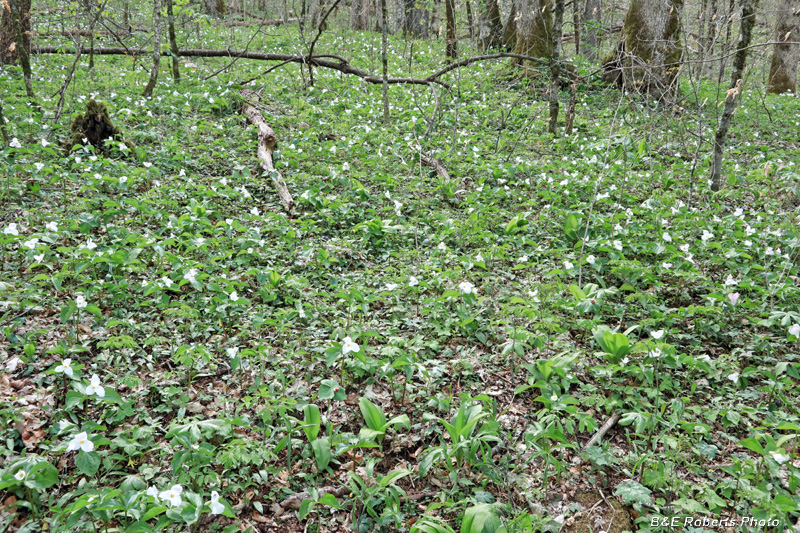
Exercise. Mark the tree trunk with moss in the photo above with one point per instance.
(786, 54)
(510, 29)
(151, 83)
(415, 18)
(451, 46)
(555, 64)
(749, 8)
(9, 52)
(591, 22)
(20, 18)
(648, 55)
(173, 43)
(490, 26)
(534, 28)
(359, 15)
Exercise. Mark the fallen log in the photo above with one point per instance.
(323, 60)
(275, 22)
(266, 145)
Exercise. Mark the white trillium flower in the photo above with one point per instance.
(734, 377)
(412, 281)
(31, 244)
(795, 330)
(191, 275)
(166, 281)
(90, 244)
(232, 352)
(554, 398)
(80, 442)
(707, 235)
(666, 265)
(591, 260)
(466, 287)
(666, 237)
(780, 458)
(618, 245)
(20, 475)
(52, 226)
(233, 296)
(152, 492)
(349, 346)
(568, 265)
(15, 143)
(65, 368)
(657, 334)
(80, 302)
(730, 281)
(214, 505)
(95, 387)
(38, 258)
(442, 246)
(733, 298)
(391, 286)
(173, 495)
(11, 229)
(684, 248)
(39, 166)
(479, 258)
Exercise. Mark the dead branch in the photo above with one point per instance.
(317, 61)
(610, 423)
(436, 165)
(272, 22)
(266, 145)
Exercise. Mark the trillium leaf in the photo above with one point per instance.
(88, 462)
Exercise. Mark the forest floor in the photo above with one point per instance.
(435, 352)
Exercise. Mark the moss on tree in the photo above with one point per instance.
(95, 126)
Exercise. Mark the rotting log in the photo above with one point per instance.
(267, 142)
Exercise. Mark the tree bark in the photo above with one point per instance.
(534, 28)
(749, 8)
(9, 52)
(267, 142)
(151, 83)
(510, 29)
(415, 19)
(490, 26)
(3, 129)
(783, 68)
(647, 57)
(576, 26)
(20, 15)
(384, 60)
(555, 65)
(359, 15)
(591, 21)
(173, 43)
(451, 46)
(470, 22)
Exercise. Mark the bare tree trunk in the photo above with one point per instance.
(3, 124)
(384, 59)
(749, 8)
(555, 65)
(173, 43)
(359, 15)
(470, 22)
(783, 68)
(708, 39)
(451, 46)
(648, 55)
(415, 20)
(534, 29)
(591, 20)
(576, 26)
(151, 83)
(490, 26)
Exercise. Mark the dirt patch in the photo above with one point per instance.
(596, 515)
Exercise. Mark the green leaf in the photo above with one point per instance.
(88, 462)
(752, 444)
(633, 492)
(373, 415)
(312, 420)
(329, 388)
(306, 507)
(322, 453)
